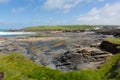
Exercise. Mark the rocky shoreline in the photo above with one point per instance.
(65, 51)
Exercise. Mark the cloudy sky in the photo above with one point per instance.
(23, 13)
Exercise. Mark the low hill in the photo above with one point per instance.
(59, 27)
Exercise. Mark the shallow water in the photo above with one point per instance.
(59, 47)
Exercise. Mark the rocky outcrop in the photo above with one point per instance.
(115, 32)
(80, 58)
(110, 47)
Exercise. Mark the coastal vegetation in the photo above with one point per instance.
(59, 27)
(17, 67)
(113, 40)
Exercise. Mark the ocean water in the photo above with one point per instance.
(4, 33)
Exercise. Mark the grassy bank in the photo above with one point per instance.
(59, 27)
(111, 69)
(113, 40)
(17, 67)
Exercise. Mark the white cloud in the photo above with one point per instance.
(18, 10)
(4, 1)
(64, 5)
(109, 14)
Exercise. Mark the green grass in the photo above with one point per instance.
(113, 40)
(111, 66)
(59, 27)
(17, 67)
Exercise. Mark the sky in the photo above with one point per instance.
(17, 14)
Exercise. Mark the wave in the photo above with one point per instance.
(15, 33)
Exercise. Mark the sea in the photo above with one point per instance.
(5, 33)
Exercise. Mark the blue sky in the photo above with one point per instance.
(16, 14)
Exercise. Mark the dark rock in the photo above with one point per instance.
(110, 47)
(1, 75)
(115, 32)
